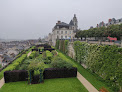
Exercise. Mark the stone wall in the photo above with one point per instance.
(71, 51)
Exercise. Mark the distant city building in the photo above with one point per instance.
(112, 21)
(10, 49)
(63, 30)
(101, 24)
(50, 38)
(119, 21)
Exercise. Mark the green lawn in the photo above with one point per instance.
(93, 79)
(49, 85)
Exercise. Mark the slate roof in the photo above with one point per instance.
(7, 58)
(61, 25)
(71, 23)
(20, 47)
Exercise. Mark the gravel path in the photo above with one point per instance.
(29, 54)
(2, 82)
(86, 84)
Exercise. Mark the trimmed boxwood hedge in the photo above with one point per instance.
(15, 75)
(50, 73)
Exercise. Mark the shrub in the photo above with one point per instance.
(41, 49)
(16, 75)
(0, 66)
(60, 63)
(34, 68)
(32, 55)
(57, 44)
(66, 46)
(50, 73)
(52, 47)
(49, 55)
(54, 53)
(44, 55)
(36, 65)
(47, 61)
(102, 60)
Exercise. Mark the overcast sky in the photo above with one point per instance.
(30, 19)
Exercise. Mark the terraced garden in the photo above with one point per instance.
(36, 61)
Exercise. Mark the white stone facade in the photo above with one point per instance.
(64, 31)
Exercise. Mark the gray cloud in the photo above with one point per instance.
(26, 19)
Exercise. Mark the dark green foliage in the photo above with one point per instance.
(60, 63)
(36, 65)
(112, 30)
(50, 73)
(33, 55)
(106, 61)
(0, 66)
(16, 75)
(66, 46)
(93, 78)
(44, 55)
(49, 55)
(34, 68)
(54, 52)
(16, 63)
(47, 61)
(62, 45)
(57, 44)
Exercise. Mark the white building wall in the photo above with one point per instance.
(65, 33)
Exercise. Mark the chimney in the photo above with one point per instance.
(109, 20)
(97, 25)
(58, 22)
(102, 22)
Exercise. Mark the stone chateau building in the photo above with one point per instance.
(63, 30)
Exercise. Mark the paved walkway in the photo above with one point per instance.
(2, 82)
(86, 84)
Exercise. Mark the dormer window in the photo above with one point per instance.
(57, 27)
(73, 28)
